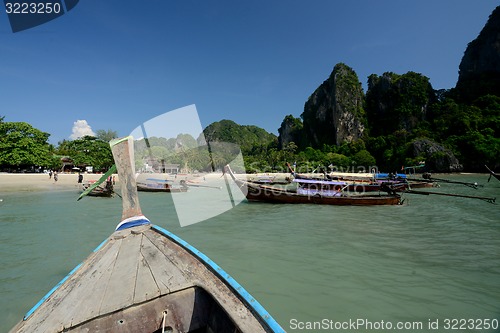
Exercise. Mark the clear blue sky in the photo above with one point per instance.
(117, 63)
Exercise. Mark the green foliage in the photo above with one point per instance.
(248, 137)
(23, 146)
(364, 158)
(291, 129)
(338, 160)
(106, 135)
(87, 151)
(185, 151)
(471, 130)
(397, 102)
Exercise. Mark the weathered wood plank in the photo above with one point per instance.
(146, 287)
(200, 275)
(116, 288)
(120, 291)
(64, 305)
(173, 252)
(166, 275)
(123, 153)
(93, 281)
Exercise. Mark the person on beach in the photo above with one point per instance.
(80, 178)
(55, 176)
(50, 174)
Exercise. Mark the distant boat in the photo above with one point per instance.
(309, 194)
(269, 180)
(496, 175)
(100, 191)
(157, 186)
(143, 278)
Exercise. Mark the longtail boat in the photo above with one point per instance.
(256, 192)
(332, 187)
(496, 175)
(143, 278)
(348, 181)
(99, 191)
(161, 186)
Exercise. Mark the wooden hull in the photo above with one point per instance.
(264, 194)
(422, 184)
(495, 175)
(99, 191)
(371, 187)
(254, 192)
(145, 279)
(146, 188)
(142, 279)
(358, 185)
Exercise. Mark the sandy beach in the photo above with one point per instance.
(69, 181)
(39, 181)
(10, 182)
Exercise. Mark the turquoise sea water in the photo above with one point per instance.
(314, 268)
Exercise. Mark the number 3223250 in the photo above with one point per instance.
(33, 8)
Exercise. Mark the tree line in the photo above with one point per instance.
(25, 148)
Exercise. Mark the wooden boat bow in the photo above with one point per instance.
(143, 278)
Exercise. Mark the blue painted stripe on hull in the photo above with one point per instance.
(44, 298)
(100, 245)
(37, 305)
(252, 302)
(256, 306)
(132, 223)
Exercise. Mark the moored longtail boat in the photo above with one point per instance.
(145, 279)
(494, 174)
(160, 187)
(99, 191)
(348, 181)
(256, 192)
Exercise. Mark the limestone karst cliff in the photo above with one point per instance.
(334, 112)
(479, 72)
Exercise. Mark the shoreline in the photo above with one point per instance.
(29, 182)
(18, 182)
(10, 182)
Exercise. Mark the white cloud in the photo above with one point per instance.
(80, 129)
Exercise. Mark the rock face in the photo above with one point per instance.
(437, 158)
(397, 102)
(334, 112)
(480, 66)
(291, 130)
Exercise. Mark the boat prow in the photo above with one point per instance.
(494, 174)
(143, 278)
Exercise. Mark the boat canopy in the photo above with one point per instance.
(386, 175)
(352, 175)
(322, 182)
